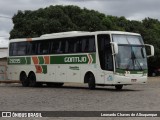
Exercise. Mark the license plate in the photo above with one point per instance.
(133, 80)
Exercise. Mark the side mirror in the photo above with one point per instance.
(151, 49)
(115, 47)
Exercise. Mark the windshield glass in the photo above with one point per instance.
(131, 58)
(128, 39)
(131, 52)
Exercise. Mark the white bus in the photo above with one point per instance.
(104, 58)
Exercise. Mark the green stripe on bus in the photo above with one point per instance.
(19, 60)
(28, 60)
(44, 67)
(63, 59)
(94, 58)
(73, 59)
(41, 59)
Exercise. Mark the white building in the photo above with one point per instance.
(3, 58)
(3, 50)
(3, 54)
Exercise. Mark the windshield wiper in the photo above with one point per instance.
(134, 60)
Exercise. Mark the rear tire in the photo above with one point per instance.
(91, 82)
(118, 87)
(32, 80)
(24, 80)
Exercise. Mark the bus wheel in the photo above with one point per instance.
(24, 80)
(91, 82)
(118, 87)
(32, 80)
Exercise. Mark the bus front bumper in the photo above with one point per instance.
(128, 80)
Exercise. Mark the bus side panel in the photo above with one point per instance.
(60, 73)
(73, 73)
(48, 74)
(13, 71)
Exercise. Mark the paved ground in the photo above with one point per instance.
(76, 97)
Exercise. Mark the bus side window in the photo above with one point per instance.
(86, 49)
(32, 48)
(55, 46)
(83, 44)
(72, 45)
(63, 46)
(78, 45)
(28, 48)
(88, 44)
(67, 45)
(22, 48)
(92, 45)
(105, 52)
(15, 46)
(43, 47)
(11, 48)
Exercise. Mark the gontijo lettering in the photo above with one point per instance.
(75, 59)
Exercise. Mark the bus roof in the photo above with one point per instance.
(71, 34)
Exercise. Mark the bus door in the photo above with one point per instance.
(105, 58)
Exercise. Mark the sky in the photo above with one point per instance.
(131, 9)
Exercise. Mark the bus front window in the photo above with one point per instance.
(131, 52)
(131, 57)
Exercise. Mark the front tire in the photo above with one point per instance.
(91, 82)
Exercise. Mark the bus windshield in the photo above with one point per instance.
(131, 53)
(131, 57)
